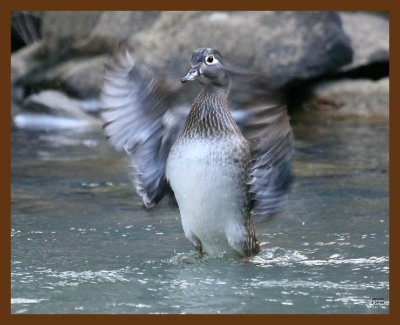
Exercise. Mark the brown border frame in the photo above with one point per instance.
(5, 169)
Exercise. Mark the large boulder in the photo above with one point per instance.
(369, 37)
(61, 29)
(361, 99)
(283, 45)
(91, 32)
(112, 27)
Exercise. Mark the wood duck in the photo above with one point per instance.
(224, 170)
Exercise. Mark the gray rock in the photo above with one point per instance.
(23, 62)
(113, 27)
(91, 32)
(352, 98)
(57, 103)
(369, 36)
(60, 29)
(81, 77)
(283, 45)
(52, 110)
(68, 57)
(26, 60)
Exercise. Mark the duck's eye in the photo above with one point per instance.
(209, 59)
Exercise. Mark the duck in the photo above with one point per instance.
(226, 168)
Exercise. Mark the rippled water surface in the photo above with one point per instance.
(82, 244)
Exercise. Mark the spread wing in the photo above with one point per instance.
(264, 122)
(140, 120)
(268, 130)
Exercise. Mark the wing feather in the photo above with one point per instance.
(140, 120)
(269, 133)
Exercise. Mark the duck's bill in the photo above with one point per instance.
(193, 74)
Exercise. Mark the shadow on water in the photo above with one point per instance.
(82, 244)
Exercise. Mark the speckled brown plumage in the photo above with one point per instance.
(210, 116)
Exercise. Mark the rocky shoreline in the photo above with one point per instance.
(335, 62)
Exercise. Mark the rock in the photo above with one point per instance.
(352, 98)
(53, 110)
(113, 27)
(57, 103)
(80, 77)
(283, 45)
(26, 59)
(23, 62)
(91, 32)
(68, 56)
(369, 36)
(60, 29)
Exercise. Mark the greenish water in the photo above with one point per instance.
(82, 244)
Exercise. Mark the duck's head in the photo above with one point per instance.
(207, 66)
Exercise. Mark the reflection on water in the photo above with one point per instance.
(82, 244)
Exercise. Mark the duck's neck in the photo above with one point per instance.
(210, 116)
(212, 97)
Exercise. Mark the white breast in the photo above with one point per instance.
(208, 188)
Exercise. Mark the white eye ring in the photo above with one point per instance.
(210, 59)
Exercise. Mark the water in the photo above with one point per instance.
(82, 244)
